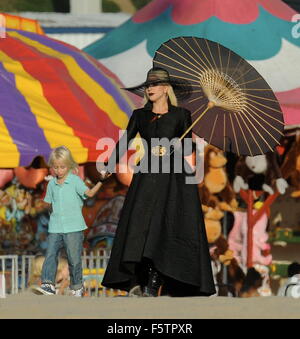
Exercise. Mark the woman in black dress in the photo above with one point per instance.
(161, 238)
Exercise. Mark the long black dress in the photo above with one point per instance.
(161, 218)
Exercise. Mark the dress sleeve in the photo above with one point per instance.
(48, 197)
(188, 147)
(123, 144)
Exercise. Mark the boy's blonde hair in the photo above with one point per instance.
(63, 153)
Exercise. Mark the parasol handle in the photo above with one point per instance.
(209, 106)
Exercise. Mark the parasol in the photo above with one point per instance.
(232, 106)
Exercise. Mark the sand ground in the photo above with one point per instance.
(30, 306)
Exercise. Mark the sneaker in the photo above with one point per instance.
(46, 289)
(77, 293)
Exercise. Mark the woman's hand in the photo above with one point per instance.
(105, 175)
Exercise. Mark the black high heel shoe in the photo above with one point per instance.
(154, 283)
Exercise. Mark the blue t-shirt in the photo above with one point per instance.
(67, 201)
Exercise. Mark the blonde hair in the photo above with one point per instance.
(63, 153)
(171, 96)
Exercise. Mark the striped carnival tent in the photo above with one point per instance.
(18, 22)
(53, 94)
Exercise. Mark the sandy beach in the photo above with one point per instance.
(29, 306)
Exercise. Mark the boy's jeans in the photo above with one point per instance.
(73, 243)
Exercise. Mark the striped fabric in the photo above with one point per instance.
(53, 94)
(18, 22)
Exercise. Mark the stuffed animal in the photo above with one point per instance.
(291, 167)
(16, 207)
(237, 240)
(62, 279)
(216, 194)
(217, 197)
(215, 190)
(252, 282)
(265, 289)
(6, 226)
(25, 236)
(8, 208)
(30, 177)
(222, 258)
(258, 173)
(213, 225)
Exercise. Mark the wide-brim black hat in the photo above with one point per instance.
(157, 75)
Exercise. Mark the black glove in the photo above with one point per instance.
(103, 171)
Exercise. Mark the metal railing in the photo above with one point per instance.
(16, 271)
(93, 266)
(25, 270)
(9, 273)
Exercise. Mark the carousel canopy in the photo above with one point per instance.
(53, 94)
(263, 32)
(18, 22)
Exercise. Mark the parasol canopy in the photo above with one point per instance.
(232, 106)
(53, 94)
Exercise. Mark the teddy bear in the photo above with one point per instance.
(227, 273)
(217, 198)
(215, 190)
(255, 177)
